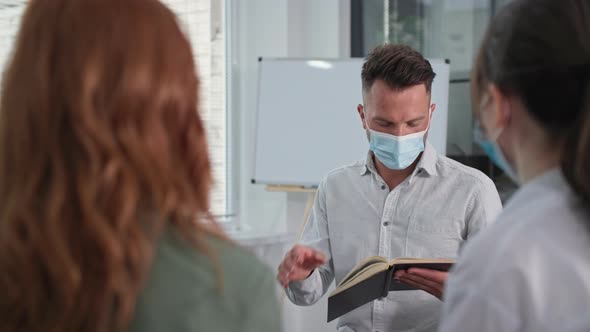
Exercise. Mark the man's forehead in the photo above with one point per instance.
(381, 94)
(400, 112)
(384, 87)
(399, 116)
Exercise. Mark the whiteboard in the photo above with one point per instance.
(307, 119)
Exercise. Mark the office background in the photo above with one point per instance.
(228, 36)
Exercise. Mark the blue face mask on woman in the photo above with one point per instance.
(492, 149)
(397, 152)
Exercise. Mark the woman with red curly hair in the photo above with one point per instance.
(105, 180)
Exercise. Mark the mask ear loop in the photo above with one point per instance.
(506, 116)
(365, 118)
(493, 137)
(429, 117)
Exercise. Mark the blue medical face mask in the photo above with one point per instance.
(397, 152)
(492, 149)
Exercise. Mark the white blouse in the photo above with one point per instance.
(530, 271)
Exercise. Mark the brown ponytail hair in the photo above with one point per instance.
(101, 149)
(539, 51)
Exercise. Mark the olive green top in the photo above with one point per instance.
(182, 293)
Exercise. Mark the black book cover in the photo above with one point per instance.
(373, 288)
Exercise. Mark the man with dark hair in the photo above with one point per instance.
(403, 200)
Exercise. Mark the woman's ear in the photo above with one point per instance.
(500, 107)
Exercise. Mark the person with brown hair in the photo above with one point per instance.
(531, 90)
(105, 180)
(404, 199)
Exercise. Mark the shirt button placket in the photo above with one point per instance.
(384, 238)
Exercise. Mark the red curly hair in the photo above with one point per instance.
(101, 148)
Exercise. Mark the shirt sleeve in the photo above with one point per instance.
(484, 208)
(472, 311)
(488, 290)
(477, 299)
(316, 235)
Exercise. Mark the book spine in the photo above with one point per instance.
(388, 280)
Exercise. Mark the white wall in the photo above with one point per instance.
(273, 28)
(258, 28)
(276, 28)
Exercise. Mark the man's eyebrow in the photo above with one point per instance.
(416, 119)
(378, 118)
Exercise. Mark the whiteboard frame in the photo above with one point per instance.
(303, 184)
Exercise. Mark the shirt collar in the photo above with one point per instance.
(552, 181)
(369, 166)
(427, 162)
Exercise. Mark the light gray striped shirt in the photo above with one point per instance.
(430, 214)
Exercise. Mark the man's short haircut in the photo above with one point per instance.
(399, 66)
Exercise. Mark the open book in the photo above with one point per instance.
(372, 278)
